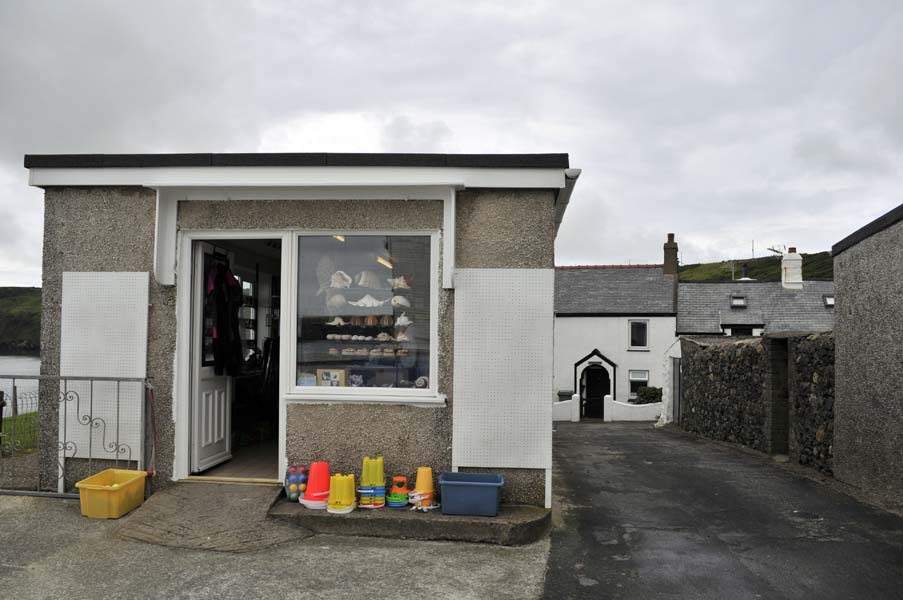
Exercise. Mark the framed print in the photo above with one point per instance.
(331, 377)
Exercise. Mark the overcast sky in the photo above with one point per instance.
(724, 122)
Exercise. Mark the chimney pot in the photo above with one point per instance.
(792, 270)
(669, 266)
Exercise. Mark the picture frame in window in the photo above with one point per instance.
(331, 377)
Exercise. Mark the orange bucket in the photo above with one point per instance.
(422, 496)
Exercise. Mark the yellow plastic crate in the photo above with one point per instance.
(101, 500)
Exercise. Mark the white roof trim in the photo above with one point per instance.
(218, 177)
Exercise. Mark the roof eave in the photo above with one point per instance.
(564, 195)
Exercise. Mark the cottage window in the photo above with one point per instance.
(741, 330)
(738, 301)
(639, 335)
(364, 312)
(829, 301)
(637, 379)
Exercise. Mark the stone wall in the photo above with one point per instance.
(772, 394)
(725, 391)
(868, 436)
(811, 384)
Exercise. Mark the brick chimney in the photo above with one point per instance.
(670, 263)
(792, 270)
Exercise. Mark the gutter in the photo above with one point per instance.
(564, 195)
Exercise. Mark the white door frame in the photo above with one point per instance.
(181, 392)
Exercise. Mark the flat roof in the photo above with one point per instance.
(889, 218)
(296, 159)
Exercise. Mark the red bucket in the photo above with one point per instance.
(317, 493)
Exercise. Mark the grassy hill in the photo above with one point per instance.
(767, 268)
(20, 320)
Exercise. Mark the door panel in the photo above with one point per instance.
(211, 394)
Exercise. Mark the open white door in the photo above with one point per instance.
(211, 394)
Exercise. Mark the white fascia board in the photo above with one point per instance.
(181, 177)
(414, 192)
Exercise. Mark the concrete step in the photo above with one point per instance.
(514, 525)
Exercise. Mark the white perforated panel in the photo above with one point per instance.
(502, 403)
(103, 333)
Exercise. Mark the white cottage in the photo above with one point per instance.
(614, 330)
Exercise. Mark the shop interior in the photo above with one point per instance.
(240, 347)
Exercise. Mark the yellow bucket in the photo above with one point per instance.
(111, 493)
(341, 494)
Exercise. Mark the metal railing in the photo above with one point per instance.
(56, 430)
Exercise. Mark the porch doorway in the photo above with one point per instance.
(595, 384)
(234, 411)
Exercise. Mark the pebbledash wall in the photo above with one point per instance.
(112, 229)
(772, 394)
(868, 276)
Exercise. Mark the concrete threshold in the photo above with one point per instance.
(515, 524)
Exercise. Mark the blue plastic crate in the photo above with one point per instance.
(471, 493)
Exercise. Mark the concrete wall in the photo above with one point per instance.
(575, 337)
(868, 434)
(624, 411)
(112, 229)
(811, 396)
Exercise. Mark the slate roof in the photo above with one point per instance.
(297, 159)
(641, 290)
(704, 307)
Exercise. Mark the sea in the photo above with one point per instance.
(26, 389)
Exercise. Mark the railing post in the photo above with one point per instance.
(2, 406)
(15, 407)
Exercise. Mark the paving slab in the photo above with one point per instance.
(223, 517)
(48, 550)
(514, 525)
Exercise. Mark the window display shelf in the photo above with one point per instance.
(390, 276)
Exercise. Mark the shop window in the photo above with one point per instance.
(637, 379)
(639, 335)
(364, 311)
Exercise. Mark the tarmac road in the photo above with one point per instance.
(645, 513)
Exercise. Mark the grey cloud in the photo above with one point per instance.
(401, 134)
(723, 122)
(824, 152)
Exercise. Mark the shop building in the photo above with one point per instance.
(307, 307)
